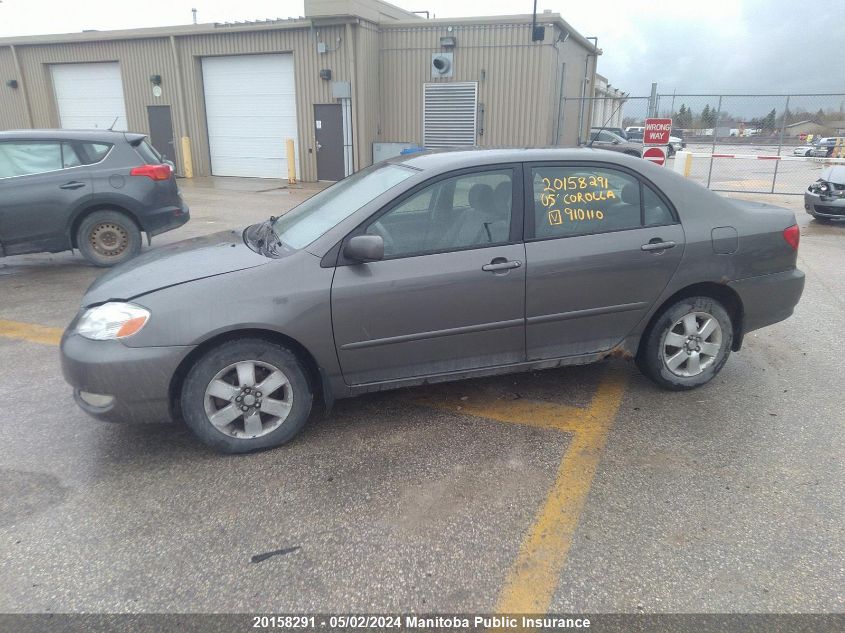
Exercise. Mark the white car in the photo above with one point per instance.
(803, 150)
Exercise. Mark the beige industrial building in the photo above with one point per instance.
(351, 82)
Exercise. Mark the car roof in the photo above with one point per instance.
(109, 136)
(448, 159)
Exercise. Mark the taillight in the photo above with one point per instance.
(155, 172)
(792, 235)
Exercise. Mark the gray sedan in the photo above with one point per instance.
(432, 267)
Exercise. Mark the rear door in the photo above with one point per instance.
(450, 293)
(600, 247)
(41, 184)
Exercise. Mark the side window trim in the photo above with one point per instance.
(529, 234)
(517, 210)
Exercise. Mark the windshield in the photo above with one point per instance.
(305, 223)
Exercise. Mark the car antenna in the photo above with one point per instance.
(604, 125)
(111, 127)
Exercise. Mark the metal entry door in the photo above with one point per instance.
(328, 132)
(161, 131)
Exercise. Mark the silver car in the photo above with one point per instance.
(432, 267)
(604, 139)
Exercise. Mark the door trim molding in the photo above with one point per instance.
(420, 336)
(577, 314)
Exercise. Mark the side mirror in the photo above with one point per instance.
(615, 142)
(364, 248)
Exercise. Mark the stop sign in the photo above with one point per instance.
(656, 155)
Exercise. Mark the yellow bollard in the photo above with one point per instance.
(187, 161)
(839, 148)
(291, 163)
(687, 164)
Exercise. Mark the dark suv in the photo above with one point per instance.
(94, 190)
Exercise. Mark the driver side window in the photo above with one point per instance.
(467, 211)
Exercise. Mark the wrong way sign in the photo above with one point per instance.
(657, 131)
(656, 155)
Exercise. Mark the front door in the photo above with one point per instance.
(449, 294)
(328, 133)
(161, 131)
(601, 247)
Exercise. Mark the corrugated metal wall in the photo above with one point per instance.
(12, 104)
(138, 60)
(517, 80)
(310, 89)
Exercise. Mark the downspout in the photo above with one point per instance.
(584, 83)
(353, 75)
(187, 159)
(19, 72)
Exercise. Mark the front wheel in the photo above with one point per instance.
(246, 395)
(688, 344)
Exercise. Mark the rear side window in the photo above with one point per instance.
(92, 152)
(148, 153)
(28, 157)
(581, 200)
(656, 211)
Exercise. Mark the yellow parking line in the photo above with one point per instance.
(534, 576)
(30, 332)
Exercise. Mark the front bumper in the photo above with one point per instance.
(828, 207)
(165, 219)
(767, 299)
(137, 378)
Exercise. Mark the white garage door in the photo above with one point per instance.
(89, 95)
(250, 106)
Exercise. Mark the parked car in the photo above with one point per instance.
(636, 137)
(94, 190)
(825, 146)
(602, 139)
(804, 150)
(635, 128)
(825, 198)
(676, 143)
(432, 267)
(615, 130)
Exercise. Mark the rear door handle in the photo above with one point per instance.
(73, 184)
(657, 246)
(496, 266)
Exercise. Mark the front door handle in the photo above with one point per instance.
(657, 246)
(500, 264)
(73, 184)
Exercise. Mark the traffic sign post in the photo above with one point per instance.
(656, 140)
(656, 155)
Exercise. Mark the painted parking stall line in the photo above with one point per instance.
(535, 574)
(30, 332)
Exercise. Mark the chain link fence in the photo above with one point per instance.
(742, 143)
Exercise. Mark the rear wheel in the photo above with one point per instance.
(688, 344)
(107, 238)
(246, 395)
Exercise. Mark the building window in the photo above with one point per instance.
(450, 112)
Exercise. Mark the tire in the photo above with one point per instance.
(219, 385)
(657, 356)
(108, 238)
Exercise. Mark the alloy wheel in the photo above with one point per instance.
(248, 399)
(692, 344)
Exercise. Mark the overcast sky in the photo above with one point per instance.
(770, 46)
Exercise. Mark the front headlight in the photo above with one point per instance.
(112, 320)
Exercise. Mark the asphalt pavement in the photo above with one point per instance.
(582, 489)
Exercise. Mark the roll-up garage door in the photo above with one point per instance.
(89, 95)
(250, 107)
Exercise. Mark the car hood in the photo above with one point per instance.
(834, 174)
(174, 264)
